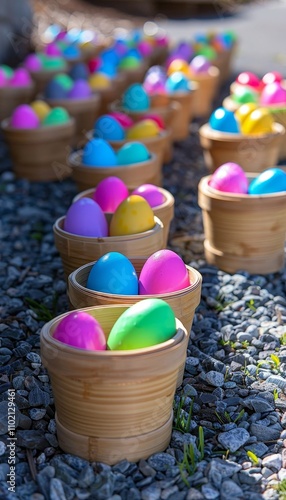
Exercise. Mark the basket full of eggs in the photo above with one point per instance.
(114, 371)
(43, 67)
(248, 136)
(16, 87)
(244, 217)
(39, 139)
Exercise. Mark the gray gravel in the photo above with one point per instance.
(234, 388)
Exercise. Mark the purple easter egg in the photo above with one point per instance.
(24, 117)
(80, 329)
(52, 50)
(150, 193)
(86, 218)
(33, 63)
(185, 51)
(230, 178)
(80, 90)
(145, 48)
(21, 78)
(200, 64)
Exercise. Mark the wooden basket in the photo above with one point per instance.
(11, 97)
(224, 61)
(253, 153)
(132, 175)
(75, 251)
(40, 154)
(181, 120)
(164, 212)
(135, 75)
(113, 405)
(41, 78)
(110, 94)
(243, 232)
(84, 111)
(208, 84)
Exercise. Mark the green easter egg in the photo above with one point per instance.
(57, 116)
(53, 63)
(146, 323)
(129, 62)
(65, 81)
(7, 70)
(244, 95)
(207, 51)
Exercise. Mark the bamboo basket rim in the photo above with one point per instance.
(192, 287)
(116, 106)
(76, 156)
(17, 89)
(212, 72)
(46, 72)
(48, 328)
(220, 195)
(57, 228)
(39, 131)
(270, 107)
(207, 132)
(163, 134)
(93, 98)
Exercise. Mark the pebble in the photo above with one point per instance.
(234, 439)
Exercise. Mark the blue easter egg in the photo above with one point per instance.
(113, 273)
(71, 52)
(108, 69)
(134, 53)
(79, 72)
(132, 152)
(106, 127)
(98, 153)
(224, 120)
(177, 82)
(135, 98)
(110, 56)
(272, 180)
(54, 90)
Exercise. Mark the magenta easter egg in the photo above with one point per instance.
(145, 48)
(272, 77)
(124, 120)
(273, 93)
(80, 90)
(151, 193)
(79, 329)
(21, 78)
(52, 50)
(163, 272)
(33, 63)
(86, 218)
(230, 178)
(24, 117)
(109, 193)
(200, 64)
(250, 79)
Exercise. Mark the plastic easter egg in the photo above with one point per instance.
(134, 52)
(243, 111)
(146, 323)
(185, 50)
(81, 90)
(224, 120)
(55, 90)
(163, 272)
(52, 49)
(53, 63)
(156, 118)
(250, 79)
(79, 72)
(41, 108)
(98, 153)
(94, 64)
(145, 48)
(33, 63)
(207, 51)
(99, 81)
(154, 83)
(272, 77)
(143, 129)
(108, 69)
(72, 52)
(272, 180)
(3, 78)
(230, 178)
(132, 152)
(273, 93)
(122, 118)
(179, 65)
(150, 193)
(79, 329)
(65, 81)
(109, 193)
(9, 72)
(134, 215)
(129, 62)
(135, 98)
(21, 78)
(57, 116)
(260, 121)
(113, 273)
(244, 95)
(177, 82)
(199, 64)
(85, 218)
(108, 128)
(24, 117)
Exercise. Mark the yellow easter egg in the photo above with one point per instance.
(244, 111)
(41, 108)
(99, 81)
(260, 121)
(143, 130)
(179, 65)
(134, 215)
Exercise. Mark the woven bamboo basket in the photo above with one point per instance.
(253, 153)
(75, 251)
(164, 212)
(132, 175)
(84, 111)
(243, 232)
(11, 97)
(208, 84)
(113, 405)
(40, 154)
(224, 61)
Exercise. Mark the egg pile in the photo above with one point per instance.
(118, 126)
(62, 86)
(19, 77)
(231, 178)
(38, 114)
(44, 62)
(270, 90)
(99, 153)
(248, 120)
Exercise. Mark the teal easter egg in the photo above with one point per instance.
(109, 129)
(113, 273)
(132, 152)
(98, 153)
(224, 120)
(57, 116)
(135, 98)
(178, 82)
(144, 324)
(272, 180)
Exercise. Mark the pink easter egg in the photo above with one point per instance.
(109, 193)
(33, 63)
(24, 117)
(272, 77)
(163, 272)
(273, 93)
(52, 50)
(21, 78)
(86, 218)
(230, 178)
(144, 48)
(124, 120)
(150, 193)
(249, 78)
(79, 329)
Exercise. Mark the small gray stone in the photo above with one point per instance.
(234, 439)
(2, 448)
(37, 413)
(37, 397)
(152, 492)
(209, 492)
(57, 490)
(86, 477)
(161, 461)
(214, 378)
(168, 492)
(264, 433)
(273, 462)
(277, 380)
(259, 449)
(4, 470)
(231, 490)
(31, 439)
(33, 357)
(246, 477)
(146, 469)
(194, 494)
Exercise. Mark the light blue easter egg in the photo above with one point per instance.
(135, 98)
(98, 153)
(106, 127)
(224, 120)
(132, 152)
(272, 180)
(113, 273)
